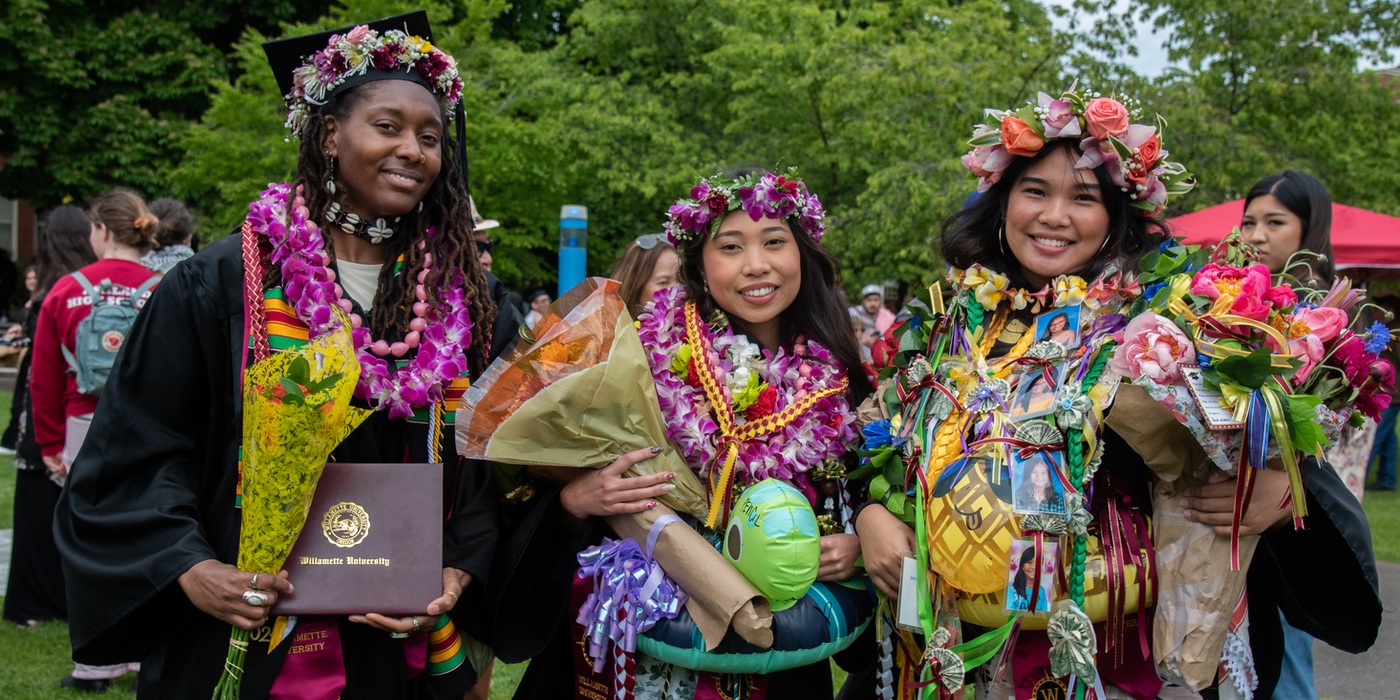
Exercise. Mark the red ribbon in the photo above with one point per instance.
(1026, 449)
(1046, 367)
(1244, 491)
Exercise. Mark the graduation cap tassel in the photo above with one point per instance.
(461, 118)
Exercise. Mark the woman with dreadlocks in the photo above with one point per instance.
(376, 231)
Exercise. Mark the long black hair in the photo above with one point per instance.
(818, 312)
(975, 234)
(1307, 198)
(444, 206)
(66, 247)
(1022, 580)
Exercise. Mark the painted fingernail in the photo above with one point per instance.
(669, 487)
(670, 475)
(651, 504)
(657, 450)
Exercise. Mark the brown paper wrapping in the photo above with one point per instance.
(1151, 430)
(719, 596)
(581, 395)
(1196, 590)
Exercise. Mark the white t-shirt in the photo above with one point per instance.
(360, 281)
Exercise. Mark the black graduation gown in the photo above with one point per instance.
(151, 494)
(1323, 577)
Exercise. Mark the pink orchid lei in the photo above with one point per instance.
(818, 435)
(360, 50)
(1102, 127)
(777, 196)
(299, 252)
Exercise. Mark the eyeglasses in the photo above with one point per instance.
(650, 240)
(484, 247)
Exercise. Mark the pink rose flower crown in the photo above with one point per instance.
(1104, 129)
(767, 195)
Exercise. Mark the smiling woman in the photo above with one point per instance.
(1045, 217)
(1072, 193)
(369, 249)
(757, 373)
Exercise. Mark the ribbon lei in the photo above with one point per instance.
(630, 594)
(731, 435)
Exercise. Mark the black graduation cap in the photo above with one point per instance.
(287, 55)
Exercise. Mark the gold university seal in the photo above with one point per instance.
(346, 524)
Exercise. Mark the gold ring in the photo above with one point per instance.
(451, 593)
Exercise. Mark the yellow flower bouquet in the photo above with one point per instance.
(296, 410)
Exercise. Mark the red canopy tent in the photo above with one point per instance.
(1360, 238)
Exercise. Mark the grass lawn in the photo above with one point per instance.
(32, 661)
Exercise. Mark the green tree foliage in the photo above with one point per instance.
(1269, 86)
(94, 95)
(621, 104)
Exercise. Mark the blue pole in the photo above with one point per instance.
(573, 246)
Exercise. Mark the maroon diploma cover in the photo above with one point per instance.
(372, 543)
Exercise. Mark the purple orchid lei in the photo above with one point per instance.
(299, 251)
(820, 434)
(768, 195)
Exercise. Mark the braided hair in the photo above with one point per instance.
(444, 206)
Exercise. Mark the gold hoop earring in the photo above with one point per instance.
(1001, 240)
(1103, 245)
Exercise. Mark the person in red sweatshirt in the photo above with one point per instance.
(122, 231)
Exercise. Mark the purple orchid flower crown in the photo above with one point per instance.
(363, 49)
(778, 196)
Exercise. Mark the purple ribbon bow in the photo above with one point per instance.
(630, 593)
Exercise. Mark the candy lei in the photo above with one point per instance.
(440, 335)
(809, 422)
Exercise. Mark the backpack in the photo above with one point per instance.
(101, 335)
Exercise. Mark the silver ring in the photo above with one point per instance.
(254, 598)
(398, 635)
(415, 625)
(254, 584)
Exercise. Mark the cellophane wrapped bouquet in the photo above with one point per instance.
(296, 410)
(577, 393)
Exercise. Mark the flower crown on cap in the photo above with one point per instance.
(778, 196)
(359, 51)
(1134, 152)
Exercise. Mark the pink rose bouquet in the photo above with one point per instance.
(1277, 353)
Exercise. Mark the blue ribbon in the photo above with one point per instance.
(1257, 430)
(630, 594)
